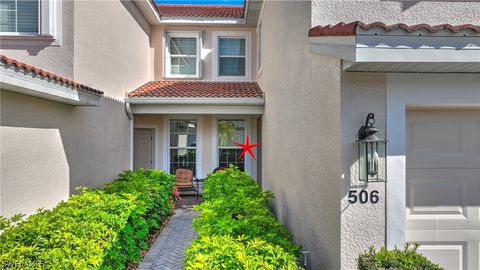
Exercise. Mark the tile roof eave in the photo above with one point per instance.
(197, 90)
(201, 11)
(7, 61)
(350, 29)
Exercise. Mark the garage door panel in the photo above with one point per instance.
(443, 185)
(437, 192)
(447, 255)
(443, 139)
(458, 222)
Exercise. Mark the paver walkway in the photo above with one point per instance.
(167, 252)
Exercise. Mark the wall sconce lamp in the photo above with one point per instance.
(372, 158)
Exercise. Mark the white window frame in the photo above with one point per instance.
(167, 59)
(16, 22)
(49, 25)
(259, 49)
(216, 50)
(166, 141)
(215, 147)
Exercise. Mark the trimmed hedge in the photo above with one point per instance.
(407, 258)
(96, 229)
(236, 230)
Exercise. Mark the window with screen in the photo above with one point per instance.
(231, 57)
(230, 131)
(182, 55)
(183, 145)
(19, 16)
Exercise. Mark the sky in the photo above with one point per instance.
(202, 2)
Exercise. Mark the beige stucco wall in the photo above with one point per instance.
(104, 47)
(112, 47)
(300, 132)
(157, 39)
(363, 225)
(390, 12)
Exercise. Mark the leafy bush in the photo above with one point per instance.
(96, 229)
(236, 229)
(407, 258)
(226, 252)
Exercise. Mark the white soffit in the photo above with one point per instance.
(400, 51)
(196, 105)
(28, 83)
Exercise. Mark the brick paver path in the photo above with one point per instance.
(167, 252)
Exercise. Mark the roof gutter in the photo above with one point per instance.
(149, 11)
(259, 101)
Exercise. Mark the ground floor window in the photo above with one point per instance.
(229, 132)
(183, 145)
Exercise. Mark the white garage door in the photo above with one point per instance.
(443, 185)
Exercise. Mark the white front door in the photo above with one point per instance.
(143, 148)
(443, 185)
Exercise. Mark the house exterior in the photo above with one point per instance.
(90, 88)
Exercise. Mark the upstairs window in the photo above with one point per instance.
(231, 56)
(19, 17)
(182, 56)
(231, 59)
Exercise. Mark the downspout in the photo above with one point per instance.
(130, 134)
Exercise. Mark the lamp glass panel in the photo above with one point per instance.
(362, 160)
(372, 160)
(382, 160)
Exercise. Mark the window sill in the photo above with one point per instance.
(173, 77)
(7, 40)
(25, 37)
(232, 79)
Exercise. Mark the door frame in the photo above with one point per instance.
(155, 142)
(409, 91)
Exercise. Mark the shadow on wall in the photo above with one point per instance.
(406, 4)
(56, 143)
(26, 45)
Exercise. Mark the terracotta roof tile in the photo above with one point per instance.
(49, 75)
(218, 11)
(350, 29)
(187, 89)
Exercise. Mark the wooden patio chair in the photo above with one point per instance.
(185, 181)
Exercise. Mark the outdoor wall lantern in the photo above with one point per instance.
(372, 159)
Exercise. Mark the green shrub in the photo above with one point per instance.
(407, 258)
(96, 229)
(226, 252)
(235, 213)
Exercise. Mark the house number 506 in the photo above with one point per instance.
(363, 197)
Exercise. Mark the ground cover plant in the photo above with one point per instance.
(407, 258)
(96, 229)
(236, 229)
